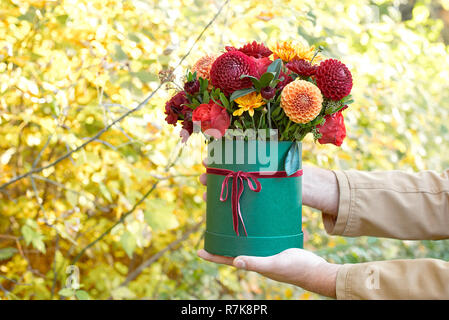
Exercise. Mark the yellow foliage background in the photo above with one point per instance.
(69, 68)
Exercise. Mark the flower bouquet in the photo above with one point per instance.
(254, 105)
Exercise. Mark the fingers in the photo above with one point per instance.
(264, 265)
(205, 196)
(203, 179)
(257, 264)
(215, 258)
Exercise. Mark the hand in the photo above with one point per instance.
(295, 266)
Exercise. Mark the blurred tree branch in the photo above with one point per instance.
(119, 119)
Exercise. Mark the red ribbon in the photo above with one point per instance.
(238, 187)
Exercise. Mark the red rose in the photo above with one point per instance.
(333, 130)
(213, 117)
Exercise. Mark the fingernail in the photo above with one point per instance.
(239, 263)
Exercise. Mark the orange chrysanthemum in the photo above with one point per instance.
(301, 101)
(284, 50)
(307, 53)
(203, 65)
(289, 50)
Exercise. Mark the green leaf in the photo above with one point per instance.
(28, 234)
(66, 292)
(203, 84)
(266, 78)
(206, 96)
(34, 237)
(241, 93)
(128, 243)
(120, 55)
(146, 76)
(82, 295)
(275, 67)
(105, 192)
(293, 159)
(62, 19)
(39, 244)
(224, 100)
(7, 253)
(122, 293)
(254, 80)
(159, 215)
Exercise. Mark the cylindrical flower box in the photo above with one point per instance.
(242, 220)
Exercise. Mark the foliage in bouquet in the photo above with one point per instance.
(289, 87)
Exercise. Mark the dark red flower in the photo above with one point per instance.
(268, 92)
(333, 130)
(302, 67)
(227, 69)
(334, 79)
(175, 107)
(192, 87)
(254, 49)
(213, 117)
(262, 65)
(187, 125)
(287, 79)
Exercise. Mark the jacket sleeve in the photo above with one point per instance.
(394, 279)
(391, 204)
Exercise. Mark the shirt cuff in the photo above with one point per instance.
(338, 225)
(343, 283)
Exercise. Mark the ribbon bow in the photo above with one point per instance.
(238, 186)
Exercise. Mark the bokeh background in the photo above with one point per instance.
(125, 210)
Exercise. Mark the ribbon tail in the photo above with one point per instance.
(234, 204)
(238, 204)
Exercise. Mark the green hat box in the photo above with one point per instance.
(272, 217)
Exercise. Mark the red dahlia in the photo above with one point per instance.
(227, 69)
(254, 49)
(334, 79)
(302, 67)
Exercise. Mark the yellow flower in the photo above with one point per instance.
(307, 53)
(248, 103)
(289, 50)
(284, 50)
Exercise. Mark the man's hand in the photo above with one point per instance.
(295, 266)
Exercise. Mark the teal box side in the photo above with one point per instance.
(272, 216)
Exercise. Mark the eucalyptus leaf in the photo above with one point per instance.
(241, 93)
(275, 66)
(293, 160)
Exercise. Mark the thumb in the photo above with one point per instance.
(257, 264)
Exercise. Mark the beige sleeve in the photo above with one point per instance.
(391, 204)
(398, 205)
(394, 279)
